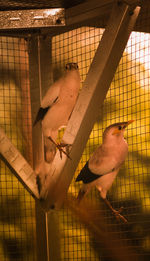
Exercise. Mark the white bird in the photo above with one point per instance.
(56, 108)
(104, 164)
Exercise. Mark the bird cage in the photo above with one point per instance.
(110, 42)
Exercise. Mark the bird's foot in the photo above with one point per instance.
(60, 147)
(115, 212)
(119, 216)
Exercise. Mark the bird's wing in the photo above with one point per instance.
(52, 94)
(49, 99)
(100, 163)
(40, 115)
(86, 175)
(103, 161)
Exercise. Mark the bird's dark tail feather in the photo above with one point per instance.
(80, 195)
(38, 182)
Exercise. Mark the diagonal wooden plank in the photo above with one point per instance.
(94, 91)
(17, 162)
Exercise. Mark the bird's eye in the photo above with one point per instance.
(119, 128)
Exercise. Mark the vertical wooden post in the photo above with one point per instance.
(35, 90)
(40, 80)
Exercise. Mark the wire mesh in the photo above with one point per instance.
(17, 217)
(128, 98)
(75, 46)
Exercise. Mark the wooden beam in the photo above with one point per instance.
(37, 142)
(40, 79)
(90, 10)
(53, 238)
(87, 11)
(17, 162)
(90, 13)
(91, 98)
(84, 14)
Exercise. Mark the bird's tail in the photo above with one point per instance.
(80, 195)
(49, 150)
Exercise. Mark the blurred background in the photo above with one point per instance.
(128, 98)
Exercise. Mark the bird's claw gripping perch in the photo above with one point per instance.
(60, 147)
(116, 213)
(119, 216)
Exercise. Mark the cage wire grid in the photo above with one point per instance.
(128, 98)
(17, 215)
(75, 46)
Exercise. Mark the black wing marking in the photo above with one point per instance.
(41, 114)
(86, 175)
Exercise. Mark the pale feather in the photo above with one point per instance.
(58, 115)
(52, 94)
(107, 158)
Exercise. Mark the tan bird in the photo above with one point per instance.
(56, 108)
(104, 164)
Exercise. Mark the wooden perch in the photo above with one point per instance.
(17, 162)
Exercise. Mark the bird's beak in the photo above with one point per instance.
(129, 122)
(124, 125)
